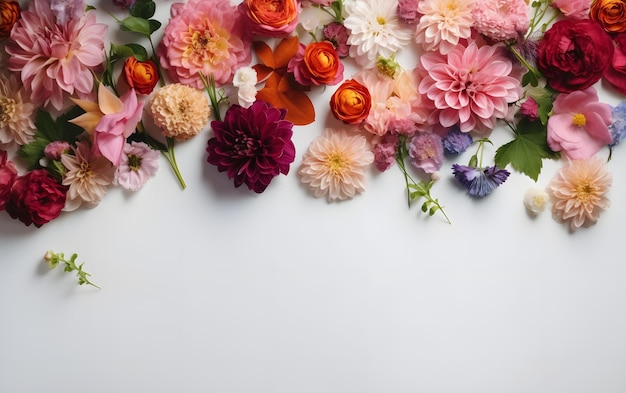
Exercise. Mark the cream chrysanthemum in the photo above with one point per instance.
(180, 111)
(443, 24)
(88, 177)
(375, 30)
(16, 124)
(579, 190)
(334, 165)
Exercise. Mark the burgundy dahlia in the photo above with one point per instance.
(253, 145)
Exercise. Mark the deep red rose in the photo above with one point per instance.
(36, 198)
(574, 54)
(616, 73)
(252, 145)
(8, 174)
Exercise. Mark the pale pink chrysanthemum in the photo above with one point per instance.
(204, 36)
(578, 192)
(16, 113)
(54, 59)
(334, 165)
(443, 24)
(88, 177)
(375, 30)
(138, 164)
(501, 20)
(470, 87)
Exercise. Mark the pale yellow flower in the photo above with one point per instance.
(579, 190)
(16, 124)
(334, 165)
(443, 24)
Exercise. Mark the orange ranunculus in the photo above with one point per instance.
(9, 14)
(274, 18)
(351, 103)
(141, 75)
(321, 64)
(611, 14)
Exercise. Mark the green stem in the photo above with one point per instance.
(209, 86)
(171, 158)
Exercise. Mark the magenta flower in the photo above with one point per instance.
(204, 36)
(471, 86)
(579, 125)
(52, 58)
(8, 174)
(253, 145)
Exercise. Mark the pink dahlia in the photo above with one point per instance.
(253, 145)
(204, 36)
(579, 125)
(52, 58)
(470, 87)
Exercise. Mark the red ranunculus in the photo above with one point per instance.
(574, 54)
(36, 198)
(616, 73)
(8, 174)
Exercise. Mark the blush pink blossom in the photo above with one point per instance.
(204, 36)
(470, 87)
(54, 59)
(501, 20)
(579, 126)
(576, 9)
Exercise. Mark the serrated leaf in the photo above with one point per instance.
(526, 152)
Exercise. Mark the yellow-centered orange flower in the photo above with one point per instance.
(611, 14)
(351, 103)
(9, 14)
(141, 75)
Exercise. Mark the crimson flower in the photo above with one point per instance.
(253, 145)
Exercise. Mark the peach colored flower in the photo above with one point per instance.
(578, 192)
(88, 177)
(334, 165)
(270, 17)
(204, 36)
(16, 113)
(443, 24)
(180, 111)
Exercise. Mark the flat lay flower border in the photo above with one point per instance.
(84, 114)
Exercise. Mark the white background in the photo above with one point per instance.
(217, 289)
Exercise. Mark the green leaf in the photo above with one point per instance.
(143, 9)
(137, 25)
(154, 25)
(530, 78)
(526, 152)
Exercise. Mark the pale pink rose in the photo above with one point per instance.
(579, 126)
(576, 9)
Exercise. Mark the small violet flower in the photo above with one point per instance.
(479, 182)
(426, 152)
(456, 142)
(617, 128)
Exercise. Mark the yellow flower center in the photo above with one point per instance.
(579, 120)
(381, 20)
(134, 162)
(336, 163)
(208, 45)
(585, 192)
(85, 173)
(7, 109)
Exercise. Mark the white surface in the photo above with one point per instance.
(217, 289)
